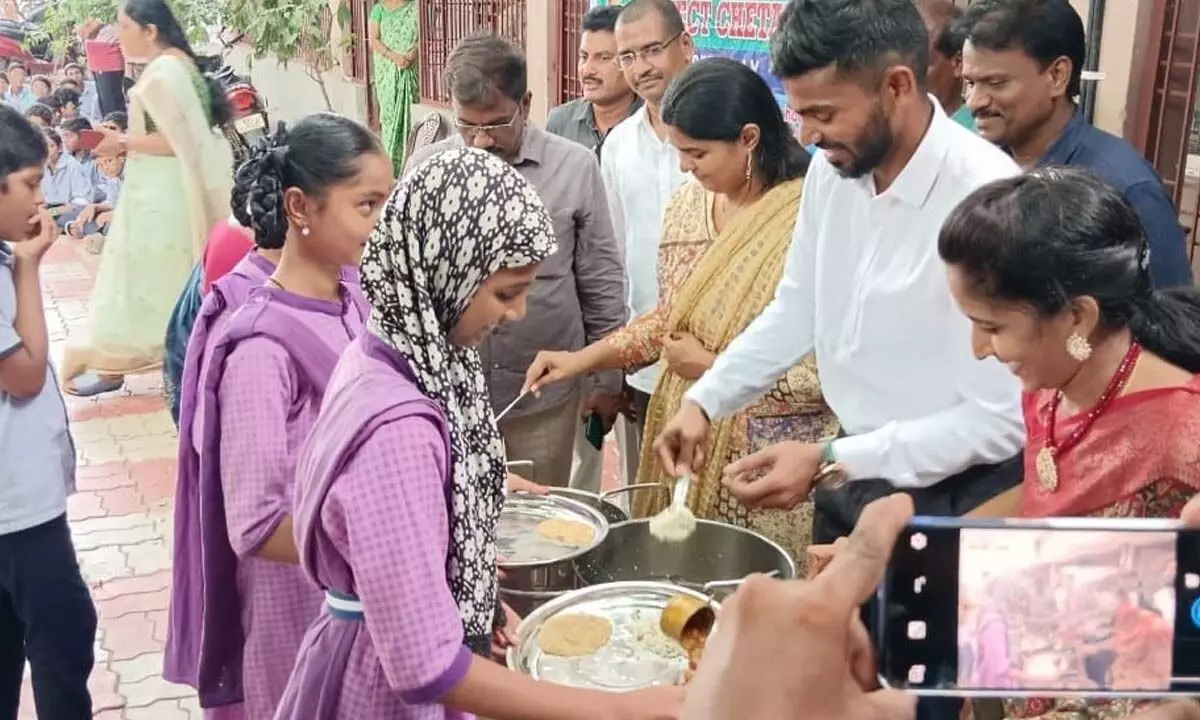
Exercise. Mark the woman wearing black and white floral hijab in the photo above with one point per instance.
(461, 218)
(400, 484)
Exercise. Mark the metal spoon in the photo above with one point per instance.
(710, 587)
(676, 523)
(679, 494)
(500, 415)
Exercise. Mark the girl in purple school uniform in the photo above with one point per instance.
(400, 486)
(239, 604)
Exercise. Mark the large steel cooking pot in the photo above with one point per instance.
(715, 551)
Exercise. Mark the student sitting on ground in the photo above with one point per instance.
(41, 116)
(93, 222)
(112, 170)
(72, 132)
(89, 99)
(64, 182)
(41, 87)
(67, 100)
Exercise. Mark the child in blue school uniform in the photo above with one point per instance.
(46, 612)
(65, 184)
(106, 175)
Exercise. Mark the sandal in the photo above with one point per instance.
(91, 384)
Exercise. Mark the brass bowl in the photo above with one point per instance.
(683, 613)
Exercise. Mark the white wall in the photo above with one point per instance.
(291, 94)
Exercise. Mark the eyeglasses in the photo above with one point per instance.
(470, 131)
(626, 59)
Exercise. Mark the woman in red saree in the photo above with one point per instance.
(1051, 268)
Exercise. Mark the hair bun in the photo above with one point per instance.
(257, 200)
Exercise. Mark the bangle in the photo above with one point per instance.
(828, 457)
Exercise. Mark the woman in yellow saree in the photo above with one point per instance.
(178, 179)
(725, 238)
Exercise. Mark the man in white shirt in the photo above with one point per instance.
(865, 288)
(641, 173)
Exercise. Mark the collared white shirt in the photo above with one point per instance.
(641, 173)
(865, 288)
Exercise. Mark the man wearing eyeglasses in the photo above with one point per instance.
(578, 296)
(641, 169)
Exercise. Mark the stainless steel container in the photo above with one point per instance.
(611, 511)
(714, 552)
(535, 564)
(638, 655)
(524, 602)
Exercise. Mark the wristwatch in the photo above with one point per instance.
(831, 474)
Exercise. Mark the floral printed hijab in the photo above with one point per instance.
(455, 220)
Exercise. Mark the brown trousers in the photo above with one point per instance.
(547, 438)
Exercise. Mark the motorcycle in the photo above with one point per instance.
(250, 122)
(22, 41)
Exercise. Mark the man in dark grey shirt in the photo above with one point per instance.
(607, 98)
(579, 294)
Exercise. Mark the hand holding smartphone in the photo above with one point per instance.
(1061, 607)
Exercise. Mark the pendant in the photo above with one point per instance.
(1047, 469)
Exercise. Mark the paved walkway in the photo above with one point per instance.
(121, 515)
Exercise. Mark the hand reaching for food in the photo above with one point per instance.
(516, 483)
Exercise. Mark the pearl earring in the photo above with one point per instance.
(1078, 347)
(304, 231)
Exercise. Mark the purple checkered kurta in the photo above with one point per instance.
(372, 521)
(266, 413)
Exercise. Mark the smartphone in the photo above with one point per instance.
(595, 430)
(1029, 608)
(89, 139)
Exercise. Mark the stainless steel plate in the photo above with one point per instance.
(518, 541)
(637, 656)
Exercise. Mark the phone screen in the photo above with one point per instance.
(1011, 608)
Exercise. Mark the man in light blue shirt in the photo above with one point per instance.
(18, 96)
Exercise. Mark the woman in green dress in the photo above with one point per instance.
(178, 179)
(394, 28)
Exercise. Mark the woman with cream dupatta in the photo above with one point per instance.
(724, 242)
(178, 180)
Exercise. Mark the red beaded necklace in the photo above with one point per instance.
(1047, 457)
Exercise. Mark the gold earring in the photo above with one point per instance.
(749, 167)
(1078, 347)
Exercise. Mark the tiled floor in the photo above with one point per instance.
(121, 516)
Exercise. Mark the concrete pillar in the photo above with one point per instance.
(541, 52)
(1122, 60)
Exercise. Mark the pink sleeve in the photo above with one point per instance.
(394, 500)
(256, 392)
(227, 245)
